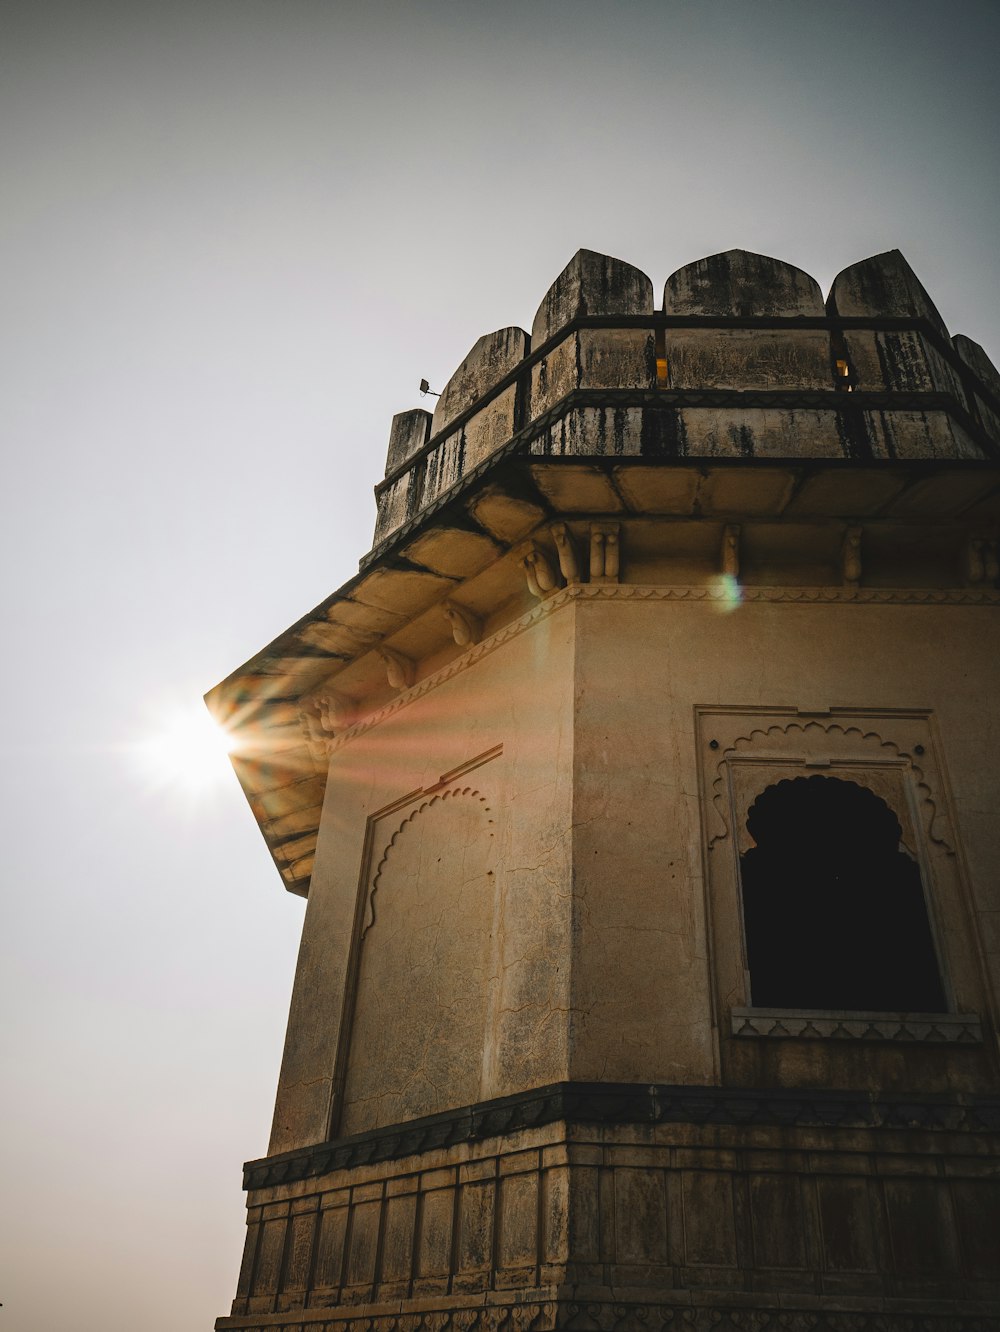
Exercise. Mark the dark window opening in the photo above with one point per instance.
(834, 910)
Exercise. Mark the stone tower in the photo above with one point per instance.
(642, 785)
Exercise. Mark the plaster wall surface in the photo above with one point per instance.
(509, 892)
(644, 997)
(500, 853)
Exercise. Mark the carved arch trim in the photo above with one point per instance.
(386, 827)
(855, 750)
(455, 792)
(892, 752)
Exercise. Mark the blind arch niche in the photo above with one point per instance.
(425, 962)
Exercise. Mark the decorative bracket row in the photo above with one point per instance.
(603, 564)
(926, 1028)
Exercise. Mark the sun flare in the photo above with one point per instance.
(186, 750)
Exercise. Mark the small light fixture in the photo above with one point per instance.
(662, 369)
(425, 388)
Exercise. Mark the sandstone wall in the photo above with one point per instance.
(431, 971)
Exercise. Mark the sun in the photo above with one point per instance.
(185, 750)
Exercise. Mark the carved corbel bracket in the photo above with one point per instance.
(981, 559)
(314, 732)
(569, 563)
(850, 557)
(466, 628)
(542, 578)
(323, 716)
(400, 670)
(605, 552)
(729, 555)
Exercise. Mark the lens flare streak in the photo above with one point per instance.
(186, 751)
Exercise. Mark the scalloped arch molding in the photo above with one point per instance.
(424, 966)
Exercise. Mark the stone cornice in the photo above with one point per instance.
(692, 595)
(630, 1103)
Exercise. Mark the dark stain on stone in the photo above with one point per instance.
(650, 358)
(853, 433)
(871, 288)
(460, 458)
(602, 430)
(888, 438)
(522, 400)
(716, 283)
(901, 361)
(621, 420)
(662, 434)
(415, 487)
(742, 437)
(929, 433)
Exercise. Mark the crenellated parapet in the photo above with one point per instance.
(744, 360)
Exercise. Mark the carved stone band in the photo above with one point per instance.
(816, 1025)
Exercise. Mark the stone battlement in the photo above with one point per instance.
(744, 360)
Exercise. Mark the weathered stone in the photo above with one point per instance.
(490, 427)
(903, 434)
(400, 589)
(580, 489)
(409, 433)
(739, 283)
(600, 431)
(748, 359)
(593, 358)
(396, 503)
(988, 411)
(508, 517)
(747, 1218)
(767, 433)
(976, 359)
(493, 356)
(452, 551)
(883, 286)
(591, 284)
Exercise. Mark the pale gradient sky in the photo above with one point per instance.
(235, 235)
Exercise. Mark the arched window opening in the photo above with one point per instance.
(833, 908)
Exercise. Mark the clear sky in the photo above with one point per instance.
(235, 235)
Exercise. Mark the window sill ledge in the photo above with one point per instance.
(831, 1025)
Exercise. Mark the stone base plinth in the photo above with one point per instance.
(624, 1207)
(590, 1311)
